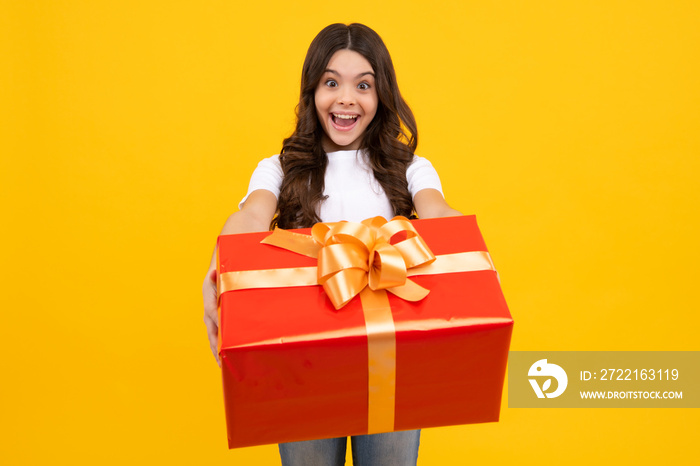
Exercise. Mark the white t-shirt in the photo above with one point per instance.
(353, 192)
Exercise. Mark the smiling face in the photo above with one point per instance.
(346, 100)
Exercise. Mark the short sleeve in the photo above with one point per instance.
(421, 175)
(267, 175)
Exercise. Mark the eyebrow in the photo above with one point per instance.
(358, 76)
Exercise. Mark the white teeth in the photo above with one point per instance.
(345, 117)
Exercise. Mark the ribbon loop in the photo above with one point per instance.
(415, 252)
(346, 248)
(349, 233)
(387, 267)
(337, 257)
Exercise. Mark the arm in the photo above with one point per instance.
(429, 203)
(256, 215)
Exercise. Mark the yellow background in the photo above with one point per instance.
(128, 132)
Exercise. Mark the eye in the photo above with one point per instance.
(363, 86)
(331, 83)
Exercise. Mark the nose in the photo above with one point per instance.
(346, 96)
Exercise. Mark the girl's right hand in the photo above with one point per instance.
(255, 215)
(211, 317)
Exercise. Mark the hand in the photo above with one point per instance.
(256, 215)
(211, 318)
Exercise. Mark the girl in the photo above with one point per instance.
(351, 157)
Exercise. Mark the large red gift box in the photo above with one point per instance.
(295, 368)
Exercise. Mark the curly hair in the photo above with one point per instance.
(390, 140)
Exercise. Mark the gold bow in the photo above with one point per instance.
(352, 256)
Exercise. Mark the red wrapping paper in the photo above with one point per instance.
(294, 368)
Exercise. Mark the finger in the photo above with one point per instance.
(211, 315)
(214, 351)
(211, 305)
(213, 336)
(216, 355)
(212, 327)
(209, 286)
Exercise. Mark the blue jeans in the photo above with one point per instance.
(391, 449)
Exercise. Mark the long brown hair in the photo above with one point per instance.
(390, 139)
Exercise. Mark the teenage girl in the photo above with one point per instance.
(351, 157)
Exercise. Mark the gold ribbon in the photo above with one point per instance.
(363, 258)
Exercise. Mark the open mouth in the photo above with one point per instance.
(344, 121)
